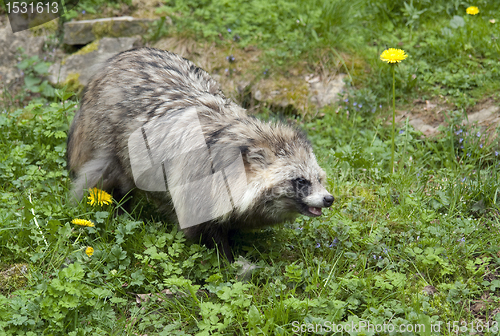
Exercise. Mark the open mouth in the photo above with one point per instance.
(315, 211)
(309, 211)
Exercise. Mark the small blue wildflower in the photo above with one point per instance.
(318, 245)
(374, 109)
(480, 145)
(22, 73)
(386, 250)
(226, 70)
(354, 104)
(478, 134)
(461, 147)
(228, 30)
(418, 174)
(334, 243)
(346, 100)
(45, 58)
(380, 106)
(496, 153)
(83, 11)
(462, 240)
(380, 257)
(291, 246)
(374, 256)
(465, 178)
(460, 140)
(468, 154)
(360, 105)
(401, 131)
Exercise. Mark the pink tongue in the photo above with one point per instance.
(315, 211)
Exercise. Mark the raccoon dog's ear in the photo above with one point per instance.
(260, 157)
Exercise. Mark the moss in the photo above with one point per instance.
(297, 94)
(72, 83)
(101, 29)
(13, 278)
(88, 48)
(47, 28)
(292, 91)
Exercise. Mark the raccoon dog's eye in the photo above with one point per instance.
(301, 182)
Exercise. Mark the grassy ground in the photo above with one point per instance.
(406, 251)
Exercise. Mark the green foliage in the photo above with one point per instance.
(451, 53)
(433, 223)
(288, 27)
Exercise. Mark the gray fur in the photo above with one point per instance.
(141, 87)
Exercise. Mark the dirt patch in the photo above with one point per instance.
(486, 113)
(427, 115)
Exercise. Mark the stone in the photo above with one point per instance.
(9, 45)
(421, 126)
(299, 92)
(85, 63)
(484, 115)
(325, 92)
(85, 31)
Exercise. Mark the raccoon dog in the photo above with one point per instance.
(153, 120)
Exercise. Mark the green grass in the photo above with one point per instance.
(434, 222)
(451, 53)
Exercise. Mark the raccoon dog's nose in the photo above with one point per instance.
(328, 200)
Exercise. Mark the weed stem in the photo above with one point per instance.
(393, 114)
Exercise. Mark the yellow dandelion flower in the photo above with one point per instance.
(98, 196)
(82, 222)
(472, 10)
(89, 251)
(393, 55)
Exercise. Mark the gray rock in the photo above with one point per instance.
(83, 65)
(325, 92)
(9, 44)
(421, 126)
(85, 31)
(299, 92)
(485, 116)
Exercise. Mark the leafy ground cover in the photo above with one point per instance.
(412, 250)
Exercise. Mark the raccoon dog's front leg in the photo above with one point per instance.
(213, 236)
(103, 172)
(220, 238)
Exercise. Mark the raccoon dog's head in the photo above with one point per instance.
(292, 180)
